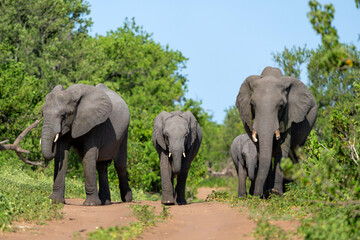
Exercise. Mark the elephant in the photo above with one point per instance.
(278, 113)
(177, 137)
(244, 155)
(94, 121)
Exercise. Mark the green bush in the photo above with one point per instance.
(25, 196)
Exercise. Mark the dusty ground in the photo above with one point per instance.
(207, 220)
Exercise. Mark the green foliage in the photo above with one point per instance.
(266, 230)
(144, 167)
(25, 196)
(328, 174)
(147, 75)
(228, 183)
(336, 56)
(20, 103)
(291, 60)
(220, 138)
(331, 166)
(46, 36)
(332, 222)
(330, 86)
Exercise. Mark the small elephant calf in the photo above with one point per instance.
(177, 138)
(244, 155)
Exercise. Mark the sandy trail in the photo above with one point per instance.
(205, 220)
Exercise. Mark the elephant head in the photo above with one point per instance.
(175, 133)
(77, 110)
(268, 105)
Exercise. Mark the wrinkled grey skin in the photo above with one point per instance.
(244, 155)
(177, 137)
(94, 121)
(272, 102)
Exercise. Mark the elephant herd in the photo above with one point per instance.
(277, 111)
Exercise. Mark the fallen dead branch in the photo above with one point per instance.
(18, 150)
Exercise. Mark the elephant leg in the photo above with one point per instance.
(167, 184)
(89, 162)
(120, 161)
(242, 181)
(252, 187)
(104, 191)
(279, 175)
(61, 161)
(180, 188)
(181, 180)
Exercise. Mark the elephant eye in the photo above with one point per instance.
(63, 116)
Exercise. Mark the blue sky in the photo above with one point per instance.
(225, 40)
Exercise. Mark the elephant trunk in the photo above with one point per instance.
(265, 154)
(251, 172)
(176, 163)
(48, 142)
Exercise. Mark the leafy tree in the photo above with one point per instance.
(46, 36)
(20, 103)
(221, 137)
(329, 165)
(291, 60)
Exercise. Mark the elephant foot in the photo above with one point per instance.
(92, 201)
(277, 192)
(242, 195)
(127, 197)
(167, 200)
(56, 199)
(273, 191)
(105, 202)
(181, 201)
(105, 199)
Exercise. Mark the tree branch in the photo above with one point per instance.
(15, 146)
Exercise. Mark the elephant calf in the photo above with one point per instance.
(177, 138)
(244, 155)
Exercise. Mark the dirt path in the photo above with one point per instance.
(207, 220)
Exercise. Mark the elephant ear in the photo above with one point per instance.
(243, 101)
(157, 135)
(300, 100)
(93, 108)
(195, 130)
(57, 88)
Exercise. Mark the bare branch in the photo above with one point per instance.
(353, 151)
(15, 146)
(5, 141)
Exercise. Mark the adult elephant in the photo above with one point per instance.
(278, 113)
(177, 137)
(244, 155)
(94, 121)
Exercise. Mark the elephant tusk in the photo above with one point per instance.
(56, 138)
(254, 136)
(277, 134)
(40, 142)
(184, 155)
(169, 154)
